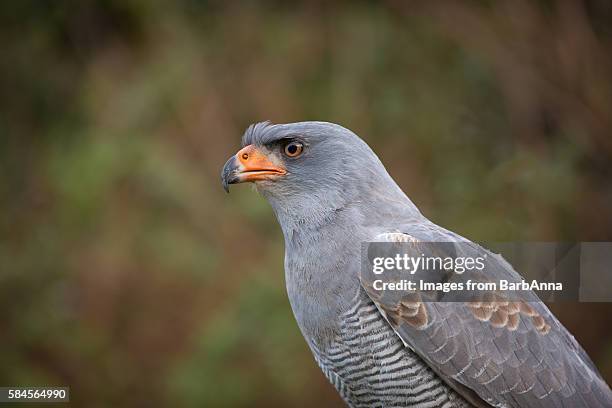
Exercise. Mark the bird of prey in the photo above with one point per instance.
(330, 192)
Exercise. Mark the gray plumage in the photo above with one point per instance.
(336, 195)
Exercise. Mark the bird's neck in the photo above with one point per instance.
(323, 235)
(307, 214)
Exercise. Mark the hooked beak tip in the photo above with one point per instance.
(228, 174)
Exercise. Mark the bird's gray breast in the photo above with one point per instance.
(320, 282)
(355, 347)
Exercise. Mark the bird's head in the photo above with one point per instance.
(308, 169)
(298, 157)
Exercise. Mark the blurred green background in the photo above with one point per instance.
(127, 274)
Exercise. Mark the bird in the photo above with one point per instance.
(330, 193)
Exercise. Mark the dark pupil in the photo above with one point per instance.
(292, 149)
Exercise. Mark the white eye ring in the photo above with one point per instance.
(293, 149)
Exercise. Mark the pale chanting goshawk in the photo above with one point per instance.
(330, 193)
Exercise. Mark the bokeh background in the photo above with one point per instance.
(129, 275)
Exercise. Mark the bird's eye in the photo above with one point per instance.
(294, 149)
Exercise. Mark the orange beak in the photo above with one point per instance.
(249, 165)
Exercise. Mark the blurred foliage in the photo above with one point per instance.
(127, 274)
